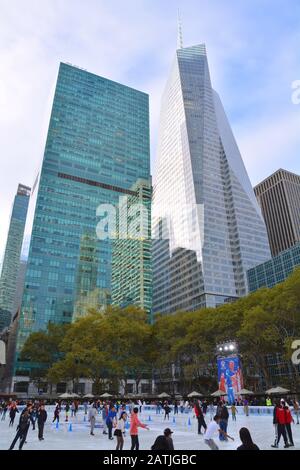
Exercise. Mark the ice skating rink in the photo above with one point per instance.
(185, 437)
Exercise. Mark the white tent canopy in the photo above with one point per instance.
(164, 395)
(244, 391)
(66, 395)
(277, 390)
(218, 393)
(106, 395)
(194, 394)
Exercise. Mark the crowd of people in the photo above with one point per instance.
(118, 417)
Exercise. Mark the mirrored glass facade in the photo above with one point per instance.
(207, 226)
(97, 147)
(12, 254)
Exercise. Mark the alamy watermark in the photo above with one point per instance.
(138, 221)
(296, 354)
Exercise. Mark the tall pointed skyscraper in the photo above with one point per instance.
(207, 226)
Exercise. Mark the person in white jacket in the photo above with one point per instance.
(120, 430)
(92, 418)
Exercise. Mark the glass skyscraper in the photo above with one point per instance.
(207, 227)
(12, 254)
(131, 260)
(97, 147)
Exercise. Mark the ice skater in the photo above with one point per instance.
(92, 417)
(167, 410)
(120, 430)
(41, 419)
(224, 416)
(212, 429)
(111, 420)
(56, 414)
(296, 410)
(22, 430)
(288, 420)
(233, 412)
(211, 411)
(200, 418)
(279, 424)
(67, 409)
(134, 425)
(12, 414)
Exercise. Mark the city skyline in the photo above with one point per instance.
(236, 56)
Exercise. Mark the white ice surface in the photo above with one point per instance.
(185, 437)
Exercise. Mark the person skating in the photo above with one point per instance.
(204, 407)
(246, 407)
(104, 416)
(164, 442)
(296, 410)
(224, 416)
(213, 428)
(246, 439)
(29, 408)
(4, 411)
(120, 430)
(200, 417)
(56, 414)
(134, 425)
(41, 419)
(73, 409)
(176, 407)
(211, 411)
(22, 430)
(288, 420)
(67, 410)
(111, 420)
(12, 414)
(279, 423)
(92, 417)
(233, 412)
(167, 410)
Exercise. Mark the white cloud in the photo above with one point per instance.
(134, 42)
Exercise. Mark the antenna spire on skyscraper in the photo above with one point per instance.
(179, 31)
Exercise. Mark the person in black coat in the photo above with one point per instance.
(167, 410)
(22, 430)
(246, 439)
(41, 419)
(164, 442)
(12, 414)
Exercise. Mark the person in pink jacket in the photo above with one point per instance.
(134, 425)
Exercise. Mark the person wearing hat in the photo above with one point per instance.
(164, 442)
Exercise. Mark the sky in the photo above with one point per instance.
(253, 53)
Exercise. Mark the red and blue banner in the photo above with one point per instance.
(230, 376)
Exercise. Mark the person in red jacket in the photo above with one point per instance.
(134, 425)
(199, 415)
(288, 420)
(279, 421)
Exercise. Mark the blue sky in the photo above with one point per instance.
(253, 51)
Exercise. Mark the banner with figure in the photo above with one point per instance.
(230, 376)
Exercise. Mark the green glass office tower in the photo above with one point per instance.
(12, 254)
(131, 259)
(97, 148)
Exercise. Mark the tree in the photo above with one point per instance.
(42, 350)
